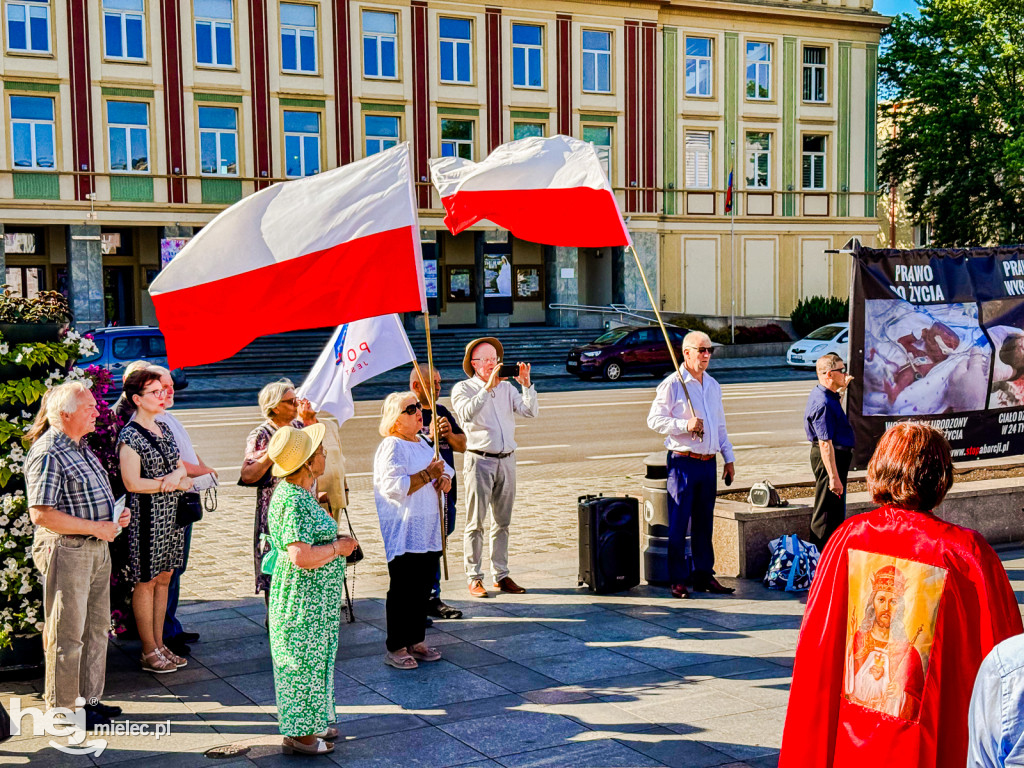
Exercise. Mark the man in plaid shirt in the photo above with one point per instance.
(72, 506)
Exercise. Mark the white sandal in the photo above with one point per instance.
(292, 746)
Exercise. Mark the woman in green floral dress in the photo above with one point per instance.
(305, 593)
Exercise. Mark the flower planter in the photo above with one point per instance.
(30, 333)
(23, 660)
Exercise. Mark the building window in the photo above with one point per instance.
(381, 133)
(457, 139)
(759, 159)
(528, 130)
(698, 159)
(698, 66)
(28, 26)
(215, 45)
(123, 30)
(814, 74)
(128, 132)
(32, 132)
(814, 162)
(218, 140)
(301, 143)
(298, 38)
(759, 70)
(601, 139)
(380, 44)
(597, 61)
(456, 45)
(527, 56)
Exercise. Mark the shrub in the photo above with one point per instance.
(816, 311)
(760, 334)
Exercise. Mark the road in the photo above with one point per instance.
(591, 432)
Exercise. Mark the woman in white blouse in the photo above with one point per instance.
(406, 481)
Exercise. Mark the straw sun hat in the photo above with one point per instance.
(467, 364)
(290, 448)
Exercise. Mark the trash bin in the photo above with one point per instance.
(654, 533)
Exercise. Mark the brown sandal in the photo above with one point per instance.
(157, 663)
(400, 662)
(172, 657)
(430, 654)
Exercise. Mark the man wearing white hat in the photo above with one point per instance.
(486, 405)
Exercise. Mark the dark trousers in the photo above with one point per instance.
(829, 509)
(692, 485)
(435, 590)
(411, 577)
(172, 627)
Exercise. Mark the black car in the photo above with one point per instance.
(627, 349)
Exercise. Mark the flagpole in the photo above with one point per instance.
(437, 441)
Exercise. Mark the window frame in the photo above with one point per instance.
(709, 151)
(298, 34)
(526, 48)
(609, 160)
(380, 36)
(822, 161)
(26, 5)
(709, 60)
(214, 23)
(821, 70)
(368, 137)
(219, 133)
(124, 14)
(747, 153)
(758, 64)
(127, 128)
(584, 52)
(471, 143)
(302, 155)
(454, 42)
(33, 123)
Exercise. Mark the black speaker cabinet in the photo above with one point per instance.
(609, 543)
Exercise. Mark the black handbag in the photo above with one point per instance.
(190, 505)
(261, 483)
(357, 553)
(5, 724)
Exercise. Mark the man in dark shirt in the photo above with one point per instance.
(831, 438)
(452, 439)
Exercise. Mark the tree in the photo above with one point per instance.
(956, 75)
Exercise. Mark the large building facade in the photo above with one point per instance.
(132, 123)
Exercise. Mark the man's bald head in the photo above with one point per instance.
(421, 373)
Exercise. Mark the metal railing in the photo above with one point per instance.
(621, 310)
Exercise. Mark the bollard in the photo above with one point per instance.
(654, 533)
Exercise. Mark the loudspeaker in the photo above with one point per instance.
(609, 537)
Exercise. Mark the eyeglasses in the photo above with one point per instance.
(157, 392)
(290, 401)
(409, 410)
(703, 350)
(483, 359)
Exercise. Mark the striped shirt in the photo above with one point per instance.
(67, 476)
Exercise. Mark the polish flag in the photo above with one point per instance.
(310, 253)
(551, 191)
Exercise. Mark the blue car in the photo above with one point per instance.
(118, 346)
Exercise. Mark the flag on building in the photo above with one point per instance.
(308, 253)
(728, 194)
(356, 352)
(545, 190)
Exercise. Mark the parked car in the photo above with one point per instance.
(118, 346)
(834, 337)
(627, 349)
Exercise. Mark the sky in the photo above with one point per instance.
(893, 7)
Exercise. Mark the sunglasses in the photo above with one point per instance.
(839, 370)
(290, 401)
(703, 350)
(409, 410)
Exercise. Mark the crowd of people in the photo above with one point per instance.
(902, 613)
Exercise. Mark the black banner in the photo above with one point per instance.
(937, 336)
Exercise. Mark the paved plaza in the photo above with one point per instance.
(555, 677)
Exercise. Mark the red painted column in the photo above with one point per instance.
(81, 96)
(260, 92)
(563, 49)
(174, 97)
(633, 117)
(494, 111)
(343, 80)
(420, 101)
(649, 113)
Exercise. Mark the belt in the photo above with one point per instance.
(697, 456)
(487, 455)
(79, 536)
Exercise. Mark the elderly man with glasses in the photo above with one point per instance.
(831, 438)
(688, 410)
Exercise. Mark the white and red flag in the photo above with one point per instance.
(545, 190)
(309, 253)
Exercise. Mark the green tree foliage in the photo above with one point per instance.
(956, 75)
(816, 311)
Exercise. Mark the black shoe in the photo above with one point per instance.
(105, 710)
(710, 584)
(428, 622)
(440, 610)
(93, 718)
(188, 638)
(178, 647)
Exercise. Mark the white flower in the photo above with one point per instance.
(25, 588)
(4, 349)
(39, 626)
(17, 359)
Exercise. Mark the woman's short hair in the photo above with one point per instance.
(391, 410)
(64, 398)
(134, 384)
(272, 394)
(912, 467)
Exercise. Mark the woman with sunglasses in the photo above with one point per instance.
(281, 407)
(406, 481)
(154, 476)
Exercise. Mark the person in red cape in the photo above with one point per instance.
(902, 611)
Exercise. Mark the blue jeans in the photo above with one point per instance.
(692, 486)
(172, 627)
(435, 590)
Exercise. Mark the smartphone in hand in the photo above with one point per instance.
(508, 371)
